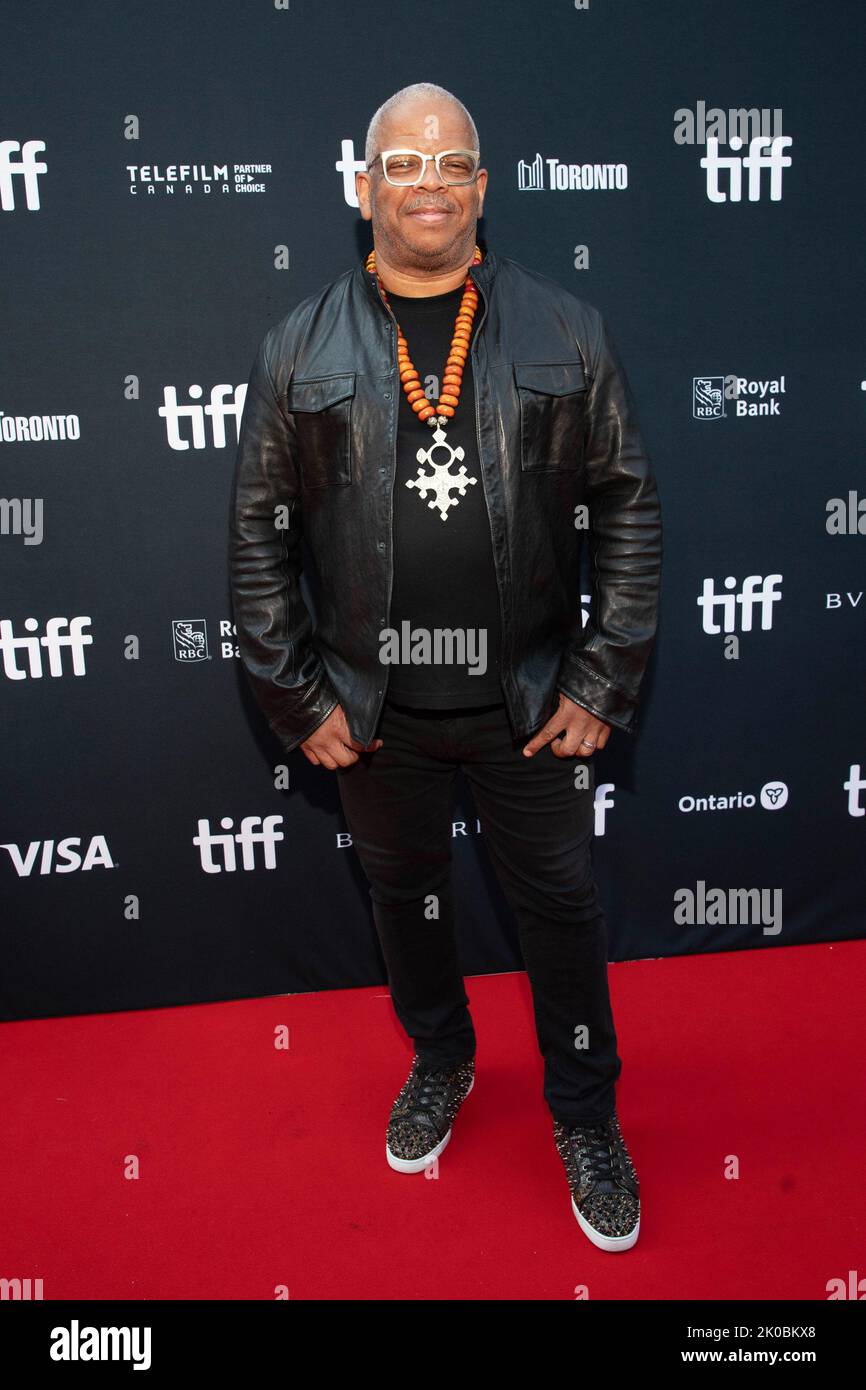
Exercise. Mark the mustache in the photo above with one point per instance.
(431, 207)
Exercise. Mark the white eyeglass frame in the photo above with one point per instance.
(425, 158)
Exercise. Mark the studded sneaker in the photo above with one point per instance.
(424, 1111)
(605, 1193)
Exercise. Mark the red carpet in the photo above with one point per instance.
(260, 1168)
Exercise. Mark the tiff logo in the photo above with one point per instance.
(759, 158)
(855, 786)
(349, 166)
(217, 852)
(602, 803)
(757, 592)
(225, 400)
(27, 167)
(54, 641)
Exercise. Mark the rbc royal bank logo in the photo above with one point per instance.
(190, 640)
(708, 397)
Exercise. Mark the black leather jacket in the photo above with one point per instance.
(312, 489)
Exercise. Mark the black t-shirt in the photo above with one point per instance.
(445, 600)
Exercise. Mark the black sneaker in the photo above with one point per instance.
(422, 1115)
(605, 1193)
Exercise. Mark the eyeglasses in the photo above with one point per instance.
(406, 167)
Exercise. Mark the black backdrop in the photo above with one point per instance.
(143, 260)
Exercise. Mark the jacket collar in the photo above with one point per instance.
(482, 275)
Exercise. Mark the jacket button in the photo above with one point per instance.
(387, 395)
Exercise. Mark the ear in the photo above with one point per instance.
(481, 185)
(362, 188)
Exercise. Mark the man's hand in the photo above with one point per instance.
(567, 731)
(332, 746)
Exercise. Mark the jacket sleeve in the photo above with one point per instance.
(602, 668)
(274, 627)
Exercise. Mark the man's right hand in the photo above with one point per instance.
(332, 746)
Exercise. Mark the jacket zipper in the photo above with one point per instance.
(504, 646)
(395, 406)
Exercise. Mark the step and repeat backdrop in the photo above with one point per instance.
(174, 179)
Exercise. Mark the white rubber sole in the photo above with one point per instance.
(417, 1165)
(611, 1243)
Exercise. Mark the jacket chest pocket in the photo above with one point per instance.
(322, 409)
(552, 415)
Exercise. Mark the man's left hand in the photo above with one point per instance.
(568, 730)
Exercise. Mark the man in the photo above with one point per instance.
(440, 427)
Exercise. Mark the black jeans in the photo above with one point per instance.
(538, 830)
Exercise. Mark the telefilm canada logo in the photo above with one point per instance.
(757, 173)
(165, 180)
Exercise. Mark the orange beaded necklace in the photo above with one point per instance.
(452, 377)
